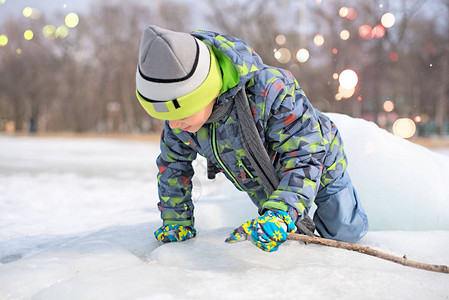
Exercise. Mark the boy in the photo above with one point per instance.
(253, 123)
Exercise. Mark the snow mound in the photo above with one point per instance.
(402, 185)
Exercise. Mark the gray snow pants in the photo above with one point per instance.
(339, 214)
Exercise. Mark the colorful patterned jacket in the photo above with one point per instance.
(303, 144)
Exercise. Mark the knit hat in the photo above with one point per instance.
(177, 74)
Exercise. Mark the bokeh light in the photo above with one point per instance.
(344, 35)
(335, 76)
(3, 40)
(302, 55)
(62, 31)
(27, 11)
(430, 47)
(366, 32)
(281, 39)
(28, 35)
(425, 118)
(48, 30)
(294, 68)
(388, 106)
(343, 12)
(19, 51)
(283, 55)
(404, 128)
(348, 79)
(2, 1)
(346, 93)
(388, 20)
(32, 13)
(418, 119)
(335, 51)
(393, 56)
(318, 40)
(352, 14)
(378, 31)
(35, 14)
(71, 20)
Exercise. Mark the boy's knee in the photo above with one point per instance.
(350, 232)
(341, 217)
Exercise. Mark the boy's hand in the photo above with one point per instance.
(267, 232)
(174, 233)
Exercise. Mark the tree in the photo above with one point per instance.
(86, 81)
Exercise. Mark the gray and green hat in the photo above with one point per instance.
(177, 74)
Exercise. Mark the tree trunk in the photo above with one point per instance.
(441, 105)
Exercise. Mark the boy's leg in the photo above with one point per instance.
(339, 214)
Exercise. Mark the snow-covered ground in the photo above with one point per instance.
(444, 151)
(77, 218)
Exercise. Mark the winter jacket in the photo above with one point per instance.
(303, 144)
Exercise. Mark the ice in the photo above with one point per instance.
(77, 218)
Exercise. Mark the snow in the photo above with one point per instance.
(444, 151)
(404, 186)
(77, 218)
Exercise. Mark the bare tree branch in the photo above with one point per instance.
(369, 251)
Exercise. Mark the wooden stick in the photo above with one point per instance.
(367, 250)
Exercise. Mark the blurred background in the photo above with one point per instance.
(69, 66)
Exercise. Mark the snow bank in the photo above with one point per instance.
(403, 186)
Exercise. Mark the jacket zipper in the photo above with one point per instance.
(215, 150)
(242, 165)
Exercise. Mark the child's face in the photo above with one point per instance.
(194, 122)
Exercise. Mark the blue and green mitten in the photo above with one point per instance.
(267, 232)
(174, 233)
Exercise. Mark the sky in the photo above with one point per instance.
(15, 7)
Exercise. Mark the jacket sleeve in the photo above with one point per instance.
(175, 179)
(294, 135)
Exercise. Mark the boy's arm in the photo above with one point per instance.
(294, 134)
(174, 179)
